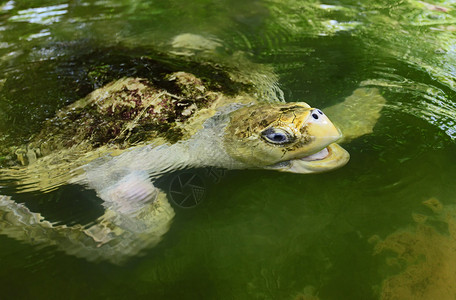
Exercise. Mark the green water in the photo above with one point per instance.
(257, 234)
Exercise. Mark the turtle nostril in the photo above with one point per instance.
(320, 112)
(315, 116)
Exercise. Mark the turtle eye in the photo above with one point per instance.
(276, 136)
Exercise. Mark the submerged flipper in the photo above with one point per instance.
(358, 113)
(137, 215)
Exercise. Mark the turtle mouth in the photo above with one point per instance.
(322, 154)
(329, 158)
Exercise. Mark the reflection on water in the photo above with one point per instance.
(361, 232)
(41, 15)
(433, 105)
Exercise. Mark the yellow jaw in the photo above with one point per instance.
(330, 158)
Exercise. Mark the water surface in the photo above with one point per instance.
(382, 227)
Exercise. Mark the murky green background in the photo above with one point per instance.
(257, 234)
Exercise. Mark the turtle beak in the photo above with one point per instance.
(316, 133)
(321, 129)
(329, 158)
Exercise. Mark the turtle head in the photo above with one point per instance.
(291, 137)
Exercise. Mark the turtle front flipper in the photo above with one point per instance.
(358, 113)
(121, 232)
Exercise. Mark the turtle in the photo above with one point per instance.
(123, 137)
